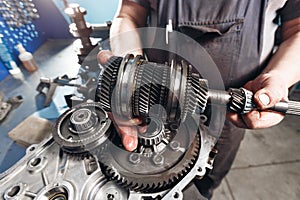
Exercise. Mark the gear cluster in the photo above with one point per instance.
(177, 90)
(152, 81)
(163, 96)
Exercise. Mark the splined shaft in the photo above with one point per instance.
(133, 87)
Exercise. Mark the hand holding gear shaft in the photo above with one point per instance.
(132, 85)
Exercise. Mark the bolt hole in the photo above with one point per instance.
(199, 169)
(32, 149)
(110, 197)
(14, 191)
(174, 126)
(176, 195)
(35, 162)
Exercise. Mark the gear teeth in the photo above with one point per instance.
(188, 106)
(153, 139)
(241, 101)
(200, 93)
(82, 144)
(157, 183)
(107, 82)
(151, 82)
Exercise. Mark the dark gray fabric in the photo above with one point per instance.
(231, 31)
(228, 30)
(290, 11)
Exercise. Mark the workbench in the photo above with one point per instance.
(54, 58)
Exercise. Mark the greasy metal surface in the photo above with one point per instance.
(49, 172)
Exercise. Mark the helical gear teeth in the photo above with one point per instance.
(189, 99)
(107, 82)
(200, 89)
(241, 101)
(149, 88)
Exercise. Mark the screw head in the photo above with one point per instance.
(174, 145)
(158, 159)
(135, 158)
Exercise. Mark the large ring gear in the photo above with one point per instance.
(156, 170)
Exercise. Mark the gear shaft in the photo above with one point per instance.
(141, 85)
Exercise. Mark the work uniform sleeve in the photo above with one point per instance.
(291, 10)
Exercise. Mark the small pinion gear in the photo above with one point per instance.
(241, 101)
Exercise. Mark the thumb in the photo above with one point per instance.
(129, 137)
(269, 89)
(267, 97)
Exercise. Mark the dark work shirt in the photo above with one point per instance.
(233, 32)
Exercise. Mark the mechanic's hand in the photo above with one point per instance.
(268, 90)
(128, 129)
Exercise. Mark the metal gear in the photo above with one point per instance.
(175, 88)
(200, 93)
(241, 101)
(82, 128)
(150, 88)
(156, 173)
(107, 82)
(188, 100)
(154, 134)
